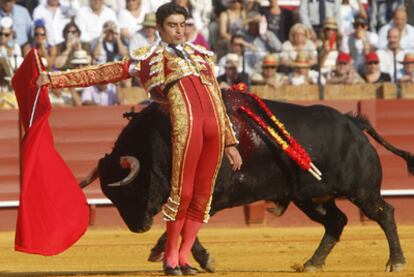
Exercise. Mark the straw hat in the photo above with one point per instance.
(149, 20)
(408, 58)
(330, 23)
(80, 57)
(269, 60)
(302, 60)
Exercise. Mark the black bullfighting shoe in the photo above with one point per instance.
(188, 270)
(172, 271)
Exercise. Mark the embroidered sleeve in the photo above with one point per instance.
(91, 75)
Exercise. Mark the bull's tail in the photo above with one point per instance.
(363, 123)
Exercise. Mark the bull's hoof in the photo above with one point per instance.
(311, 268)
(397, 267)
(209, 266)
(277, 211)
(156, 256)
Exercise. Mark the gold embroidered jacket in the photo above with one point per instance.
(157, 68)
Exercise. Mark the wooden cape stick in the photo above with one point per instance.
(39, 69)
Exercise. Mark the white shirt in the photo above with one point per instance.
(130, 22)
(100, 98)
(355, 47)
(72, 4)
(153, 5)
(297, 80)
(91, 24)
(54, 22)
(138, 40)
(202, 10)
(348, 14)
(407, 38)
(386, 58)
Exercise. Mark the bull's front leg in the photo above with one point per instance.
(200, 254)
(158, 251)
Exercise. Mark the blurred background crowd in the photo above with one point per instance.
(259, 42)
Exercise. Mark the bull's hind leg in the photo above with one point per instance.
(334, 221)
(375, 208)
(203, 258)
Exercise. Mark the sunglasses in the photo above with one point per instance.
(372, 63)
(360, 25)
(40, 34)
(5, 34)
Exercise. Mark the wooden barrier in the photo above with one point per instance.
(286, 93)
(132, 95)
(353, 92)
(335, 92)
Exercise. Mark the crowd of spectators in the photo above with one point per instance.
(255, 41)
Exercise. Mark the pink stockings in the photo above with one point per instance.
(188, 229)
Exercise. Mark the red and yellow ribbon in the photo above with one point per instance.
(290, 146)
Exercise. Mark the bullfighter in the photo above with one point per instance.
(181, 75)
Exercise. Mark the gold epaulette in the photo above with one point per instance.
(200, 49)
(143, 53)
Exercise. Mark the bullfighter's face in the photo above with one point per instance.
(172, 29)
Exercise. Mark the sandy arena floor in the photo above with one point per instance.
(239, 252)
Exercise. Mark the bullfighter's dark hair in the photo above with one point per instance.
(168, 9)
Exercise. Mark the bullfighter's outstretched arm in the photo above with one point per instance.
(91, 75)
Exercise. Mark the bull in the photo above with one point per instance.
(336, 142)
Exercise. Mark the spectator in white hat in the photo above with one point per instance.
(20, 16)
(231, 75)
(408, 69)
(9, 48)
(10, 55)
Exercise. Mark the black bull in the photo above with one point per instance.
(336, 143)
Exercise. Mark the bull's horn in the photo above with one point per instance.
(127, 162)
(90, 178)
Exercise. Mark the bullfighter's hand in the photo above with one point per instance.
(43, 79)
(234, 157)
